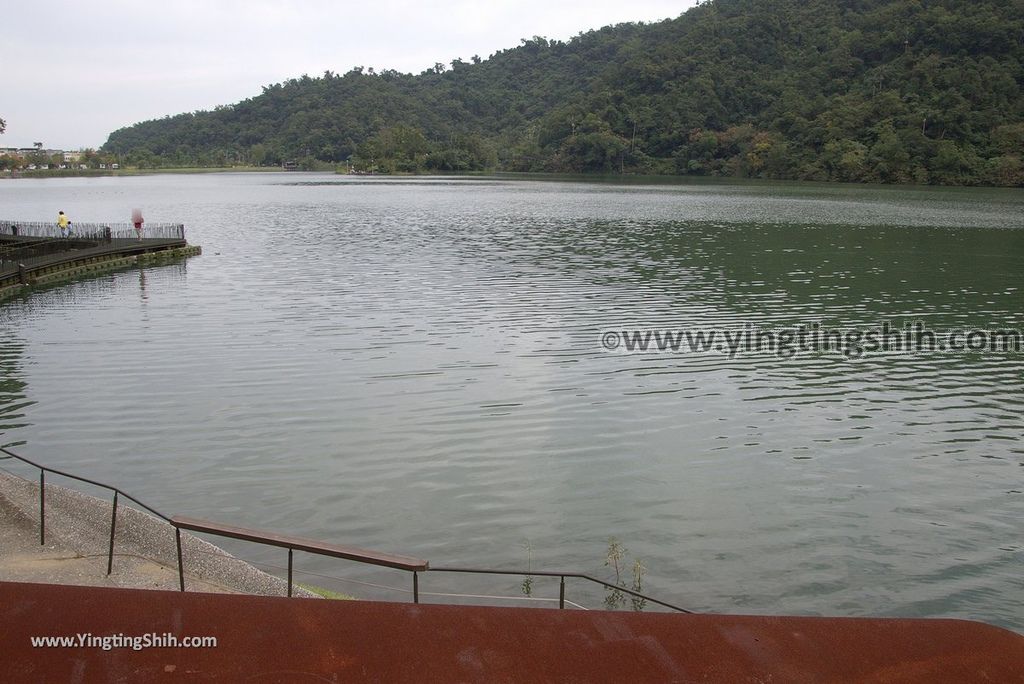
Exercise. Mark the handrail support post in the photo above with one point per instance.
(181, 566)
(113, 523)
(290, 572)
(415, 587)
(561, 592)
(42, 507)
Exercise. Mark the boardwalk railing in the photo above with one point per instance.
(27, 248)
(413, 565)
(406, 563)
(95, 231)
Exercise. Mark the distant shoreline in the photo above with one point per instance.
(507, 175)
(98, 173)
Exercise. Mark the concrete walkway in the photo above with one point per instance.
(77, 543)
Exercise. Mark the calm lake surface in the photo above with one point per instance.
(416, 366)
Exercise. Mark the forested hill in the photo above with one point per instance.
(857, 90)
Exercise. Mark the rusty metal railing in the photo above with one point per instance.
(561, 582)
(413, 565)
(405, 563)
(42, 501)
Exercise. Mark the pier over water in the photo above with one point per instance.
(35, 253)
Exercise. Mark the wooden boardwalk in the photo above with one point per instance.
(35, 254)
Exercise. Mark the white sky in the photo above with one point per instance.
(73, 71)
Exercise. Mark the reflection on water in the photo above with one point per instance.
(13, 401)
(416, 366)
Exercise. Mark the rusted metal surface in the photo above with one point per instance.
(296, 640)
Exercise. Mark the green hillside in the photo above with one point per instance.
(890, 91)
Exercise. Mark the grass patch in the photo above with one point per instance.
(326, 593)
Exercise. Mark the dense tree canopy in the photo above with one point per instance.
(885, 91)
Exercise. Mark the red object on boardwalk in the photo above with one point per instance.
(137, 221)
(295, 640)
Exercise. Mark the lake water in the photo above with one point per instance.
(416, 366)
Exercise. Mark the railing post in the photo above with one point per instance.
(289, 572)
(113, 523)
(22, 274)
(42, 507)
(561, 592)
(181, 566)
(415, 587)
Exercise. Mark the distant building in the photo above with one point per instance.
(45, 158)
(28, 151)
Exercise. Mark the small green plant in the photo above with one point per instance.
(639, 570)
(615, 598)
(326, 593)
(616, 552)
(527, 585)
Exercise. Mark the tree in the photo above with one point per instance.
(3, 125)
(258, 154)
(845, 160)
(593, 146)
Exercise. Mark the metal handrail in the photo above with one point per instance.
(42, 500)
(561, 585)
(414, 565)
(406, 563)
(349, 580)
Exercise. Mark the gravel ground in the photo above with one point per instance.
(78, 538)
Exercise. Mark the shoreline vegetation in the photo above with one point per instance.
(133, 171)
(879, 91)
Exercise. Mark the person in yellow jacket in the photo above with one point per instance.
(63, 222)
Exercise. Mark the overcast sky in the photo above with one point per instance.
(72, 71)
